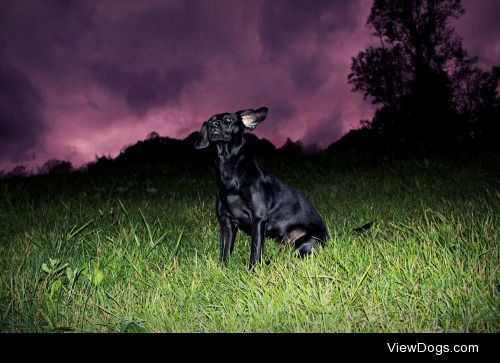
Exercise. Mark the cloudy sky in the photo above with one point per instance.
(85, 78)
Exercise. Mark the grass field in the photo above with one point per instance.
(138, 251)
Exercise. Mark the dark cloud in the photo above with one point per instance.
(281, 117)
(281, 110)
(163, 33)
(148, 88)
(285, 22)
(21, 121)
(48, 36)
(308, 75)
(149, 56)
(37, 40)
(324, 131)
(480, 29)
(85, 77)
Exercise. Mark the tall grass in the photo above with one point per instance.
(138, 251)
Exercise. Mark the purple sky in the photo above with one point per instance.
(82, 78)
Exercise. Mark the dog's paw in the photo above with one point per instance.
(305, 249)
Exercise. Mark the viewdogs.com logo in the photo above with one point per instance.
(437, 349)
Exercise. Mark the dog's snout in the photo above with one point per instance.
(215, 127)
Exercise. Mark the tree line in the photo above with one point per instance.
(429, 90)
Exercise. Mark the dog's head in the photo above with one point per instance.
(224, 127)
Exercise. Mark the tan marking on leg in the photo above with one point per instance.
(295, 234)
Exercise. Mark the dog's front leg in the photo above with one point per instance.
(228, 231)
(258, 239)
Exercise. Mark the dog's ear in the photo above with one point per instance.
(202, 142)
(251, 118)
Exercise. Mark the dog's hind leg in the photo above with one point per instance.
(306, 244)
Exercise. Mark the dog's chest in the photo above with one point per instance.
(229, 180)
(238, 208)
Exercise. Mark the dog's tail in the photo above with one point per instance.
(364, 227)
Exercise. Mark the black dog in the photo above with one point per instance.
(251, 199)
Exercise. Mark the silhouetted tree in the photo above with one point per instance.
(18, 171)
(153, 135)
(101, 163)
(260, 147)
(411, 73)
(55, 166)
(291, 148)
(477, 96)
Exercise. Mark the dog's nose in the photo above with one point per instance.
(215, 123)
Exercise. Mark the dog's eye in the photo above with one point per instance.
(227, 120)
